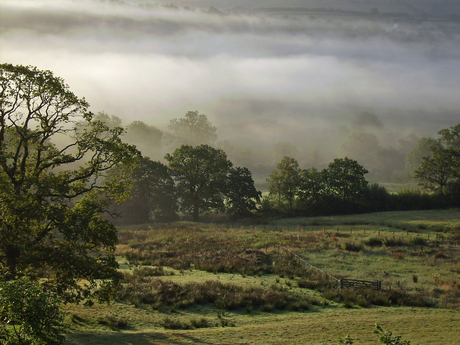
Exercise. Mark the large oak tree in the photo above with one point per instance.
(200, 173)
(53, 189)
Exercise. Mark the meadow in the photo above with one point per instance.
(223, 283)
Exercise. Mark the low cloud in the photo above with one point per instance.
(266, 78)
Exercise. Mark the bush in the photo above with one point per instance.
(170, 323)
(388, 338)
(368, 297)
(351, 247)
(373, 242)
(394, 242)
(199, 323)
(418, 241)
(113, 323)
(29, 314)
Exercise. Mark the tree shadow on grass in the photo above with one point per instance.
(147, 338)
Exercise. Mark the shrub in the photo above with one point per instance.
(384, 337)
(418, 241)
(351, 247)
(373, 242)
(388, 338)
(367, 297)
(199, 323)
(394, 242)
(29, 314)
(113, 323)
(170, 323)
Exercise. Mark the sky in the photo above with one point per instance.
(259, 78)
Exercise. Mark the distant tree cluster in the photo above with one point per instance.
(197, 180)
(342, 188)
(147, 139)
(193, 129)
(341, 185)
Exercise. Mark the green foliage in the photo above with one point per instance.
(394, 242)
(311, 189)
(384, 337)
(415, 156)
(193, 129)
(54, 156)
(373, 242)
(367, 297)
(29, 314)
(436, 171)
(241, 194)
(170, 323)
(442, 166)
(340, 188)
(388, 338)
(351, 247)
(284, 183)
(143, 136)
(153, 194)
(377, 198)
(113, 323)
(345, 178)
(347, 341)
(200, 173)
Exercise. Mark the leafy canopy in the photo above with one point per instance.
(29, 314)
(53, 191)
(241, 194)
(193, 129)
(283, 183)
(200, 173)
(440, 170)
(153, 194)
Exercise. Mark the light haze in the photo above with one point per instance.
(262, 78)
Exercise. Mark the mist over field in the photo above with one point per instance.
(274, 82)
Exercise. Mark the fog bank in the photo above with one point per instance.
(260, 78)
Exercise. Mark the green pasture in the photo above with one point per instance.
(416, 252)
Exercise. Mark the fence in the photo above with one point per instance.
(342, 282)
(356, 283)
(365, 229)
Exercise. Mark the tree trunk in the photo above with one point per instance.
(12, 254)
(196, 212)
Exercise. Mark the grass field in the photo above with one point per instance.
(222, 284)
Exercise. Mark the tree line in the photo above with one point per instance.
(201, 179)
(342, 188)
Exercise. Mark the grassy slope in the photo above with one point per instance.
(421, 326)
(320, 324)
(316, 328)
